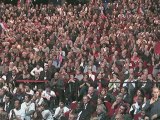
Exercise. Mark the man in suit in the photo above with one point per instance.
(126, 97)
(46, 74)
(93, 97)
(86, 110)
(8, 104)
(13, 76)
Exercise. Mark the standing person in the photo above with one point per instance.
(72, 89)
(152, 107)
(28, 106)
(17, 113)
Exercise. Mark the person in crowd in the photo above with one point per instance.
(84, 85)
(28, 106)
(101, 114)
(127, 98)
(137, 106)
(3, 113)
(86, 109)
(100, 102)
(130, 83)
(60, 111)
(46, 114)
(38, 98)
(37, 70)
(107, 96)
(45, 74)
(17, 112)
(28, 89)
(8, 103)
(123, 111)
(49, 96)
(115, 106)
(152, 106)
(72, 89)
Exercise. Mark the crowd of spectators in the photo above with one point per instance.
(97, 61)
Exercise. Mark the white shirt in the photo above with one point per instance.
(35, 70)
(31, 92)
(133, 83)
(19, 113)
(47, 115)
(28, 107)
(92, 76)
(48, 95)
(136, 108)
(39, 101)
(65, 109)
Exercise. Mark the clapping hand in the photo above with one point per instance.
(154, 117)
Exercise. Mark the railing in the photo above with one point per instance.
(31, 81)
(41, 81)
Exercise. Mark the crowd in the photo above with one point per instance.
(86, 62)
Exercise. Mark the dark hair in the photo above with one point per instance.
(125, 89)
(29, 96)
(125, 106)
(142, 92)
(17, 100)
(45, 105)
(39, 115)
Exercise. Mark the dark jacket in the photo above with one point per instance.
(86, 112)
(45, 75)
(152, 109)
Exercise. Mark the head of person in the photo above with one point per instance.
(124, 90)
(7, 98)
(71, 77)
(100, 101)
(38, 66)
(103, 92)
(46, 66)
(85, 99)
(48, 89)
(122, 109)
(27, 87)
(119, 117)
(155, 93)
(44, 106)
(85, 78)
(100, 110)
(119, 99)
(90, 90)
(139, 92)
(72, 116)
(38, 94)
(27, 98)
(17, 104)
(14, 72)
(140, 100)
(61, 104)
